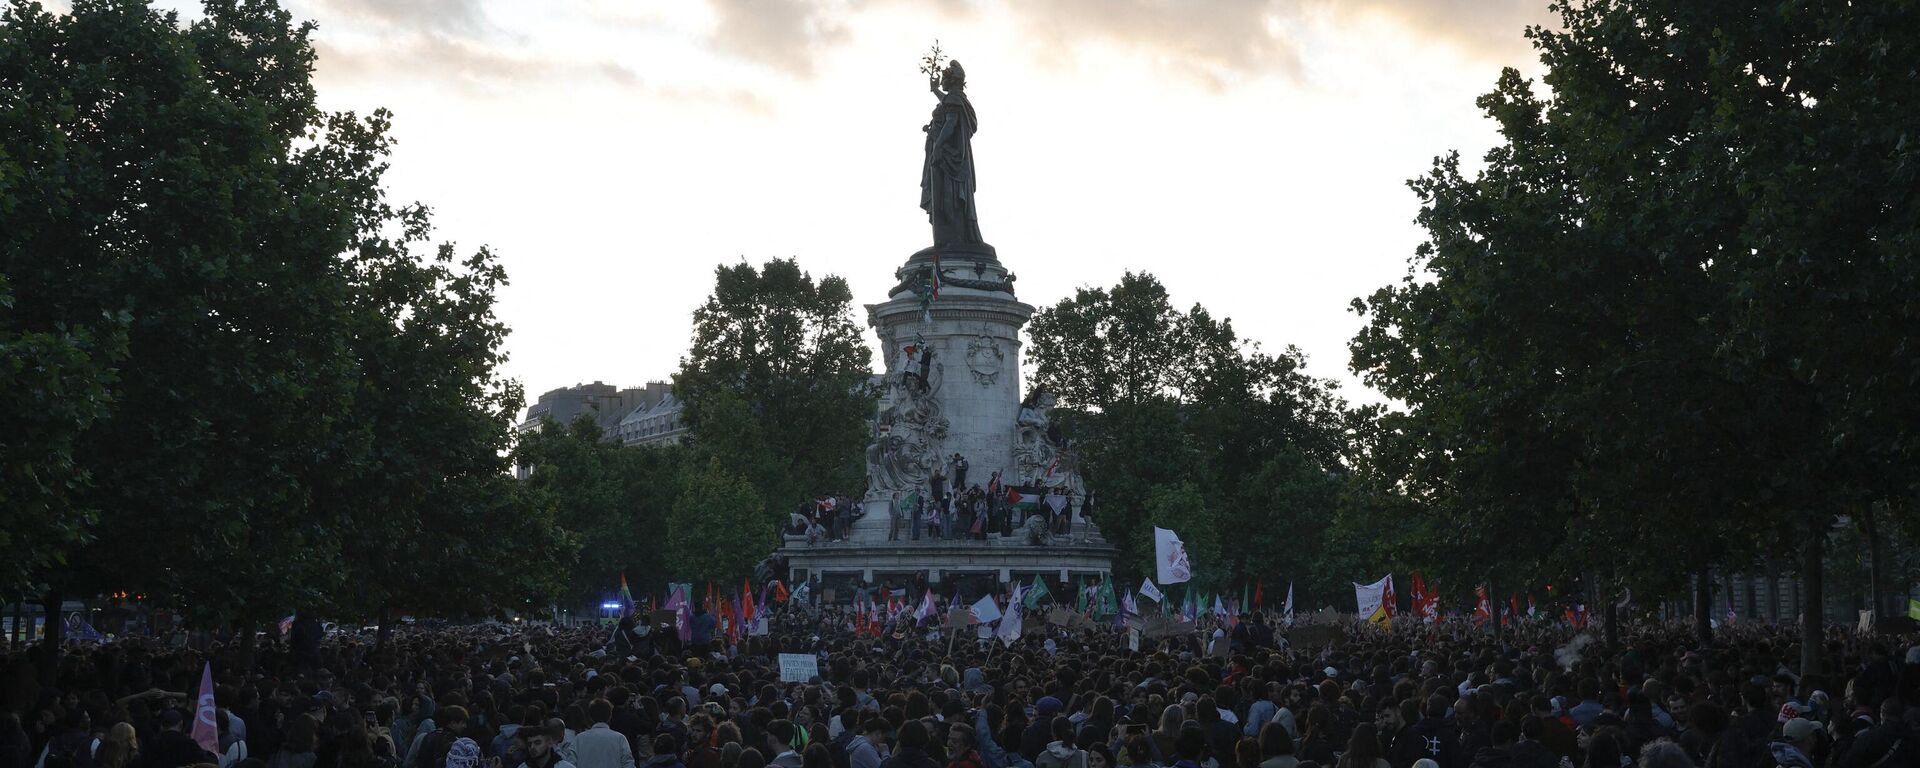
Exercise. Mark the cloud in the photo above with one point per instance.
(786, 34)
(458, 18)
(1218, 40)
(1481, 27)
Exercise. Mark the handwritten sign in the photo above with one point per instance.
(799, 667)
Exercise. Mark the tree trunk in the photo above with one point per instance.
(50, 638)
(1877, 565)
(1610, 613)
(385, 631)
(1812, 615)
(1773, 592)
(1703, 606)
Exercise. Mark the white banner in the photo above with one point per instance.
(1170, 557)
(1370, 596)
(1147, 589)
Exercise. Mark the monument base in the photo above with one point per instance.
(847, 564)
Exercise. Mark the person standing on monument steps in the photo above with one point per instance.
(959, 473)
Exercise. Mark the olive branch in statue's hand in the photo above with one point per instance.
(932, 63)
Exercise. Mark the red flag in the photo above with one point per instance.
(1513, 604)
(1259, 592)
(746, 601)
(1482, 608)
(779, 591)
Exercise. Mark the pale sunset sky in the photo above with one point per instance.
(1253, 155)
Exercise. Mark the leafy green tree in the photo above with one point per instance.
(1649, 333)
(777, 350)
(718, 527)
(1156, 398)
(56, 385)
(171, 185)
(306, 412)
(615, 500)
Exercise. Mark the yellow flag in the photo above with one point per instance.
(1381, 618)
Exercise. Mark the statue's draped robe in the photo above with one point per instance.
(946, 180)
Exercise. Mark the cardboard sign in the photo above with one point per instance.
(1156, 627)
(669, 618)
(799, 667)
(1069, 618)
(959, 618)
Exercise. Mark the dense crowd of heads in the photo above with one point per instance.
(553, 697)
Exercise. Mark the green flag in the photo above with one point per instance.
(1246, 597)
(1080, 588)
(1913, 608)
(1035, 593)
(1106, 604)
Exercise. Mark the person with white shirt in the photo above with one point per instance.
(601, 746)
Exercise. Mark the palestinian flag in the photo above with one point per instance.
(1025, 498)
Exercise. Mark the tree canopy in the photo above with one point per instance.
(1639, 335)
(275, 393)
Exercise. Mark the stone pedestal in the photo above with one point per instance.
(966, 398)
(975, 337)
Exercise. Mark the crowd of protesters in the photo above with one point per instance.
(951, 508)
(1444, 696)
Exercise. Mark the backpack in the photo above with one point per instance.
(70, 750)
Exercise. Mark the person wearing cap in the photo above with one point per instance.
(1795, 747)
(1034, 739)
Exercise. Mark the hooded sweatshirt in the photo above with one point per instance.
(1060, 754)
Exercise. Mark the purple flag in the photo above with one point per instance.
(206, 732)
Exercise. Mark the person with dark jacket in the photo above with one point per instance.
(666, 753)
(1500, 753)
(432, 751)
(1034, 739)
(913, 748)
(1529, 751)
(1888, 744)
(171, 747)
(1433, 737)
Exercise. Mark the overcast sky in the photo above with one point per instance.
(1253, 155)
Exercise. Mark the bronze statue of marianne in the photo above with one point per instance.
(946, 180)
